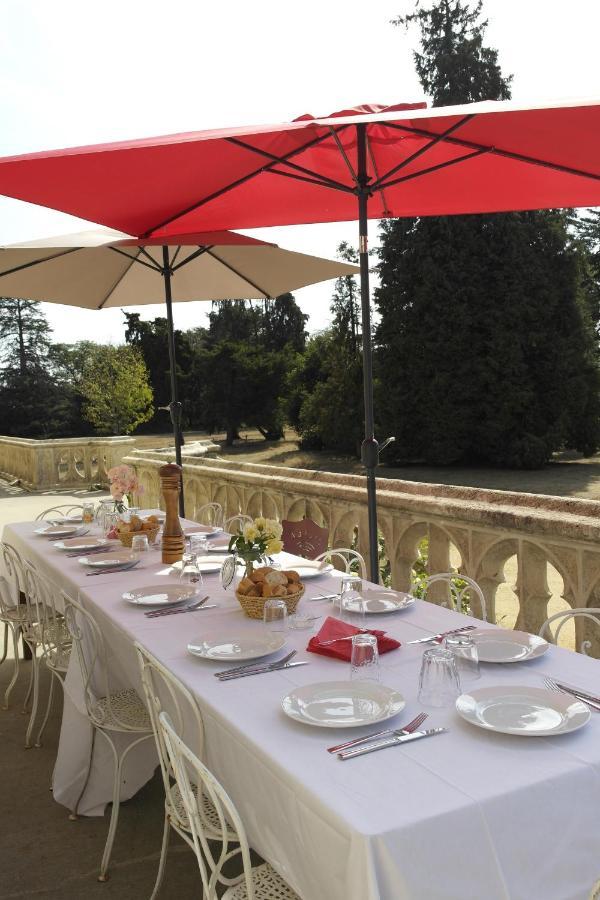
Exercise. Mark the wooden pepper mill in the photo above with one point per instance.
(173, 543)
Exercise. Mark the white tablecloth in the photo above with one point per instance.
(468, 814)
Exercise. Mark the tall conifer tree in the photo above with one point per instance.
(486, 345)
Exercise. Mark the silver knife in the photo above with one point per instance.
(255, 665)
(391, 742)
(442, 634)
(290, 665)
(580, 695)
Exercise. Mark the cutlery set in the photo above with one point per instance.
(442, 635)
(183, 606)
(412, 726)
(277, 666)
(113, 570)
(589, 699)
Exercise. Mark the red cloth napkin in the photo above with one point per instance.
(334, 628)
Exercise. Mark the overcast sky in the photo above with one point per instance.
(74, 72)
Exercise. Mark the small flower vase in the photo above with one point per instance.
(249, 568)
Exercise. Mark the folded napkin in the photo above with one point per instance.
(335, 628)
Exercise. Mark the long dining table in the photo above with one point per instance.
(468, 814)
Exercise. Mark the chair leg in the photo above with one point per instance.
(36, 696)
(15, 634)
(163, 858)
(5, 651)
(116, 803)
(31, 679)
(74, 814)
(38, 740)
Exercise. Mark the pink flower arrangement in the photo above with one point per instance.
(123, 482)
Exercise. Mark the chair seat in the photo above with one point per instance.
(56, 634)
(268, 885)
(17, 615)
(209, 812)
(57, 658)
(124, 712)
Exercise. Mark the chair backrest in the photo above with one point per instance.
(13, 589)
(352, 560)
(210, 514)
(166, 693)
(54, 634)
(60, 511)
(561, 618)
(304, 538)
(235, 523)
(461, 592)
(91, 653)
(194, 779)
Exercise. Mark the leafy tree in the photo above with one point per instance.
(116, 389)
(345, 303)
(485, 342)
(152, 340)
(24, 335)
(249, 351)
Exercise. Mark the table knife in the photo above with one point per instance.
(580, 695)
(390, 742)
(442, 634)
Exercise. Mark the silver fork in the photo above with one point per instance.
(180, 607)
(245, 670)
(412, 726)
(557, 688)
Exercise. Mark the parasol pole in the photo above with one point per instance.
(174, 405)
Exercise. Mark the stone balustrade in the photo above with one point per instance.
(61, 463)
(485, 527)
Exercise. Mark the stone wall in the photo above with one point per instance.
(61, 463)
(485, 527)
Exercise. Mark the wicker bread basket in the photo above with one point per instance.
(126, 537)
(253, 606)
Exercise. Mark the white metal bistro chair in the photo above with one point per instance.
(236, 523)
(351, 559)
(561, 618)
(458, 595)
(210, 514)
(52, 636)
(63, 511)
(165, 692)
(109, 712)
(193, 778)
(18, 615)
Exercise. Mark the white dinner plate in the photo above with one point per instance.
(342, 704)
(523, 710)
(232, 649)
(123, 557)
(219, 546)
(160, 594)
(59, 531)
(376, 602)
(80, 543)
(206, 564)
(207, 530)
(66, 520)
(308, 570)
(499, 645)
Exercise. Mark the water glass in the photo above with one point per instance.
(87, 513)
(466, 655)
(364, 661)
(439, 682)
(110, 520)
(190, 570)
(139, 543)
(198, 544)
(275, 615)
(349, 604)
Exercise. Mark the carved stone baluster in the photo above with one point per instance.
(439, 561)
(532, 588)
